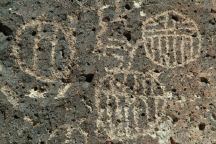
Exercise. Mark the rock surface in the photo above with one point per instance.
(107, 72)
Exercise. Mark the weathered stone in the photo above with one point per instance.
(107, 71)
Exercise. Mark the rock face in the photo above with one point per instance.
(107, 72)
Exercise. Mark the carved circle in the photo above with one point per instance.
(171, 39)
(48, 50)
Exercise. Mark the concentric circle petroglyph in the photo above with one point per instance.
(171, 39)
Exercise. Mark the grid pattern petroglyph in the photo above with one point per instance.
(171, 39)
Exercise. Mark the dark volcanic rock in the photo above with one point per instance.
(107, 72)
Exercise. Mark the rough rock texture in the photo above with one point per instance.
(108, 71)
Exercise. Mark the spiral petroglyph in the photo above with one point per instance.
(171, 39)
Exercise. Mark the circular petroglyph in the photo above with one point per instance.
(171, 39)
(47, 53)
(129, 104)
(45, 50)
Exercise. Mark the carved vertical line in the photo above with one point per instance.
(35, 47)
(152, 48)
(53, 50)
(200, 44)
(174, 45)
(146, 47)
(174, 48)
(160, 50)
(191, 48)
(108, 106)
(135, 114)
(167, 58)
(126, 109)
(118, 7)
(182, 49)
(108, 111)
(152, 87)
(102, 26)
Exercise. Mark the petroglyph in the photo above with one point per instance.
(73, 134)
(33, 67)
(115, 47)
(129, 103)
(81, 2)
(102, 24)
(10, 95)
(35, 94)
(47, 53)
(28, 119)
(171, 39)
(137, 4)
